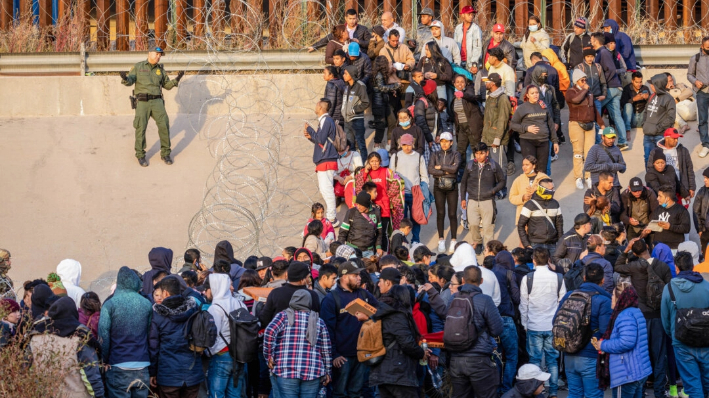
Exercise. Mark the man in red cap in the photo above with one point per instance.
(498, 40)
(469, 37)
(678, 157)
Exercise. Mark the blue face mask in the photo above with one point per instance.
(533, 28)
(344, 154)
(405, 124)
(664, 205)
(610, 30)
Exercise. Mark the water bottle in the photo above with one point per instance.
(424, 345)
(435, 378)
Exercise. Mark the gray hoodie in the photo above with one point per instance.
(660, 110)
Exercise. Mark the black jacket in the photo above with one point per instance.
(334, 90)
(639, 209)
(628, 94)
(552, 78)
(448, 160)
(279, 300)
(401, 360)
(533, 226)
(668, 177)
(487, 320)
(572, 49)
(687, 181)
(360, 232)
(701, 209)
(415, 131)
(442, 69)
(507, 48)
(613, 197)
(361, 33)
(636, 269)
(425, 116)
(570, 247)
(482, 183)
(661, 108)
(364, 68)
(471, 108)
(381, 92)
(678, 217)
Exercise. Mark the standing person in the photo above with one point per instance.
(389, 23)
(406, 126)
(444, 167)
(482, 179)
(639, 273)
(582, 131)
(581, 366)
(639, 202)
(633, 101)
(348, 162)
(498, 40)
(449, 47)
(423, 31)
(625, 45)
(355, 102)
(150, 78)
(298, 274)
(660, 115)
(534, 120)
(90, 312)
(395, 376)
(541, 222)
(687, 290)
(605, 157)
(296, 347)
(698, 76)
(604, 187)
(380, 100)
(411, 166)
(338, 41)
(426, 114)
(677, 156)
(562, 73)
(172, 367)
(317, 212)
(535, 39)
(327, 277)
(334, 91)
(356, 33)
(343, 329)
(596, 247)
(700, 212)
(467, 117)
(612, 101)
(472, 371)
(435, 67)
(377, 42)
(526, 184)
(573, 242)
(508, 77)
(595, 77)
(362, 227)
(123, 331)
(340, 60)
(539, 300)
(661, 174)
(362, 62)
(325, 157)
(469, 37)
(70, 273)
(572, 48)
(672, 218)
(497, 116)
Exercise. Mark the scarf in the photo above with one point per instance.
(627, 299)
(302, 301)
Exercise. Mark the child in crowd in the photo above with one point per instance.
(90, 311)
(398, 237)
(317, 212)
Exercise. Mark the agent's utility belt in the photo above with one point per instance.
(147, 97)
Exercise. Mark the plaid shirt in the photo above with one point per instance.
(293, 356)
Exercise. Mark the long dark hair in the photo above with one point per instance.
(315, 229)
(436, 55)
(539, 21)
(249, 278)
(381, 65)
(90, 303)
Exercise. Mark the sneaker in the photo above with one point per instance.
(441, 246)
(555, 158)
(672, 393)
(465, 224)
(562, 139)
(623, 147)
(579, 183)
(371, 124)
(167, 159)
(518, 148)
(681, 394)
(143, 162)
(511, 168)
(589, 184)
(451, 248)
(479, 249)
(704, 152)
(335, 222)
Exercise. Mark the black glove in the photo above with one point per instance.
(179, 75)
(124, 75)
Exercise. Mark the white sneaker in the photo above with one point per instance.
(441, 246)
(589, 184)
(704, 152)
(451, 248)
(579, 183)
(681, 394)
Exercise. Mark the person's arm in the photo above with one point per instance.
(625, 340)
(503, 117)
(432, 163)
(515, 195)
(270, 335)
(405, 339)
(437, 303)
(559, 225)
(514, 289)
(501, 180)
(666, 311)
(380, 234)
(555, 113)
(592, 164)
(492, 318)
(167, 83)
(325, 347)
(575, 96)
(604, 83)
(455, 52)
(652, 181)
(363, 98)
(410, 61)
(131, 78)
(446, 73)
(564, 49)
(621, 265)
(669, 118)
(322, 42)
(90, 370)
(542, 42)
(524, 301)
(423, 171)
(329, 52)
(328, 315)
(266, 314)
(104, 330)
(516, 122)
(620, 166)
(153, 348)
(345, 228)
(367, 75)
(559, 253)
(464, 183)
(365, 38)
(684, 225)
(420, 119)
(698, 213)
(688, 171)
(522, 226)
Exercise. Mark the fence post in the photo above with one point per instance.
(122, 25)
(160, 22)
(614, 10)
(558, 19)
(181, 25)
(671, 14)
(521, 15)
(103, 33)
(6, 14)
(503, 12)
(141, 25)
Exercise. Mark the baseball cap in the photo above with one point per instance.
(672, 133)
(263, 263)
(495, 78)
(385, 156)
(468, 10)
(407, 139)
(346, 268)
(353, 49)
(298, 271)
(364, 199)
(437, 24)
(498, 27)
(427, 11)
(157, 50)
(390, 274)
(636, 184)
(609, 132)
(530, 371)
(446, 136)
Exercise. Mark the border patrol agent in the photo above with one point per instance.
(150, 78)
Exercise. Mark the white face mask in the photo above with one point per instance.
(533, 28)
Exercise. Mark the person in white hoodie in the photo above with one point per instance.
(221, 369)
(449, 48)
(70, 272)
(464, 256)
(540, 292)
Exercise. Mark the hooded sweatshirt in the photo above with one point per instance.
(605, 59)
(125, 323)
(690, 291)
(464, 256)
(660, 110)
(70, 272)
(160, 259)
(624, 45)
(42, 299)
(222, 304)
(355, 99)
(224, 251)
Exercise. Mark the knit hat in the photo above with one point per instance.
(609, 37)
(581, 22)
(379, 30)
(429, 87)
(589, 51)
(297, 271)
(705, 173)
(407, 139)
(578, 75)
(658, 155)
(364, 199)
(390, 274)
(9, 306)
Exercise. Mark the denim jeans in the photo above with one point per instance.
(355, 133)
(612, 103)
(416, 230)
(581, 376)
(657, 345)
(508, 341)
(693, 364)
(702, 116)
(550, 247)
(629, 390)
(650, 143)
(631, 118)
(220, 377)
(599, 108)
(348, 379)
(294, 388)
(540, 344)
(119, 380)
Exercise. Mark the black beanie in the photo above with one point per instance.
(706, 172)
(364, 199)
(658, 155)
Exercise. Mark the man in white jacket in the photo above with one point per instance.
(70, 272)
(221, 369)
(469, 37)
(540, 293)
(449, 48)
(464, 256)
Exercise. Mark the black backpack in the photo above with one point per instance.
(572, 323)
(655, 287)
(691, 324)
(243, 345)
(559, 282)
(200, 331)
(459, 332)
(573, 278)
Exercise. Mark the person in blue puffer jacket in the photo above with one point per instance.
(625, 342)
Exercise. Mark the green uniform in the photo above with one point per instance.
(150, 79)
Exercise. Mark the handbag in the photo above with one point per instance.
(401, 74)
(445, 183)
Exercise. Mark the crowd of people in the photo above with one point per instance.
(362, 309)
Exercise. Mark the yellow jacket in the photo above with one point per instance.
(564, 81)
